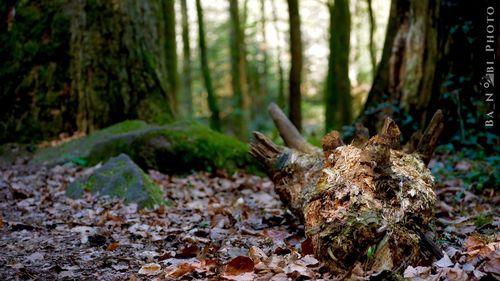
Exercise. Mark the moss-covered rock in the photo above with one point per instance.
(176, 148)
(79, 150)
(119, 177)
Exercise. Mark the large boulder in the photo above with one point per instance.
(119, 177)
(175, 148)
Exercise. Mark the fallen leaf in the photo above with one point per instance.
(444, 261)
(112, 246)
(150, 269)
(256, 254)
(239, 265)
(181, 270)
(307, 247)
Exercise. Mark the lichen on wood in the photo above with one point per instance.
(366, 204)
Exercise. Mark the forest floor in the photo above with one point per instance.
(217, 227)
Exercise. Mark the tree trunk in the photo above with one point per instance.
(280, 99)
(433, 58)
(238, 73)
(373, 54)
(338, 87)
(85, 65)
(264, 50)
(211, 96)
(114, 65)
(186, 64)
(171, 52)
(295, 111)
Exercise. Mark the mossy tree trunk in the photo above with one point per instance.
(81, 65)
(238, 73)
(295, 111)
(119, 62)
(338, 86)
(186, 63)
(211, 96)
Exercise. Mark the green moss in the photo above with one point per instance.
(120, 177)
(81, 148)
(176, 148)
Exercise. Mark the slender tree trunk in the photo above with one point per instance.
(264, 49)
(373, 54)
(186, 64)
(238, 71)
(171, 52)
(280, 99)
(211, 96)
(295, 112)
(338, 87)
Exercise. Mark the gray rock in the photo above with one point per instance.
(119, 177)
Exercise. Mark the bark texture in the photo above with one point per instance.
(432, 58)
(81, 65)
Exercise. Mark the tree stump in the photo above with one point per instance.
(366, 204)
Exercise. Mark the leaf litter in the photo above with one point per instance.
(216, 227)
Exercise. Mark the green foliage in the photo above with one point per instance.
(482, 220)
(475, 168)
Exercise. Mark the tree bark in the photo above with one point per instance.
(171, 52)
(373, 54)
(238, 73)
(211, 95)
(280, 99)
(295, 111)
(338, 86)
(430, 60)
(116, 72)
(186, 63)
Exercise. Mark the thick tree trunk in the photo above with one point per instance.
(338, 86)
(295, 111)
(85, 65)
(114, 64)
(432, 58)
(186, 63)
(238, 73)
(211, 96)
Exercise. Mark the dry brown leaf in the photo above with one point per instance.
(256, 254)
(181, 270)
(112, 246)
(239, 265)
(150, 269)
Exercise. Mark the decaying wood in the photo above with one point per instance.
(429, 140)
(288, 132)
(368, 196)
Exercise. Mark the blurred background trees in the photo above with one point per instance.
(84, 65)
